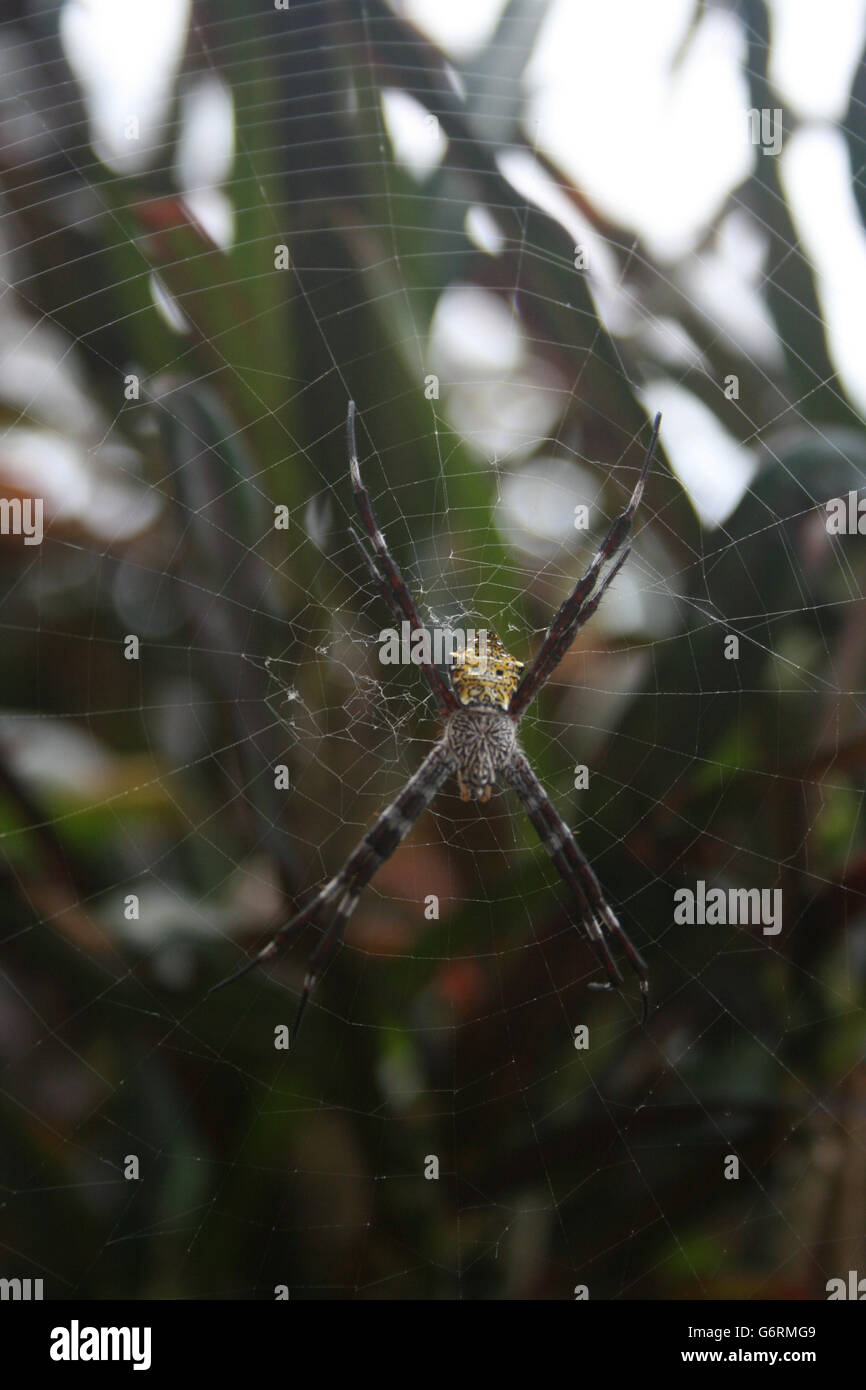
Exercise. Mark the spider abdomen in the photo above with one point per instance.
(482, 742)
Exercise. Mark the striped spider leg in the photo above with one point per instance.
(579, 607)
(384, 571)
(577, 872)
(334, 904)
(554, 834)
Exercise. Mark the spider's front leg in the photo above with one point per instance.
(575, 868)
(334, 904)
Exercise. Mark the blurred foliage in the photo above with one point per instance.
(155, 777)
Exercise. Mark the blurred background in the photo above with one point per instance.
(511, 230)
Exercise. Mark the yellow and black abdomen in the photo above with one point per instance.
(484, 673)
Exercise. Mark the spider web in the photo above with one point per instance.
(438, 1128)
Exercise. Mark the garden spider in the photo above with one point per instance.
(481, 708)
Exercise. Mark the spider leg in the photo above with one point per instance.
(322, 953)
(384, 570)
(334, 904)
(373, 572)
(577, 610)
(575, 868)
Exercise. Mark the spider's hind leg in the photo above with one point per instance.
(586, 595)
(383, 570)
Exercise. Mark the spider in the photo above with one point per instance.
(481, 707)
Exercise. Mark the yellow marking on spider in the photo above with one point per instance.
(484, 673)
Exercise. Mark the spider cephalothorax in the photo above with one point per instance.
(480, 705)
(481, 742)
(481, 735)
